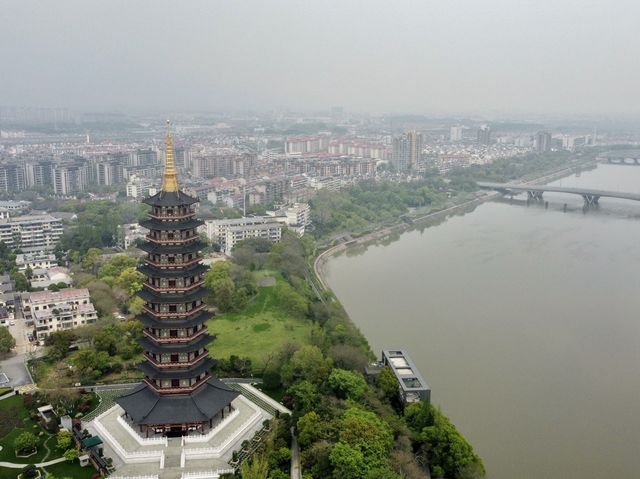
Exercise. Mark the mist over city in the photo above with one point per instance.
(319, 240)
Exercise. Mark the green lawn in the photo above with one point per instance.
(258, 330)
(70, 469)
(14, 420)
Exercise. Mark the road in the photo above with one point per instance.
(13, 365)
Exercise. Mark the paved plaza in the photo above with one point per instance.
(131, 458)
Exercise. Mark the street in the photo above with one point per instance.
(13, 365)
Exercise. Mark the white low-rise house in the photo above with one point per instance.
(297, 217)
(129, 233)
(52, 311)
(229, 232)
(35, 261)
(43, 278)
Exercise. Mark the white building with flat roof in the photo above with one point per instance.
(31, 233)
(229, 232)
(35, 261)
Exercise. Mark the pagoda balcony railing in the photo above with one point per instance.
(175, 265)
(177, 365)
(169, 241)
(174, 314)
(177, 390)
(175, 289)
(174, 339)
(172, 217)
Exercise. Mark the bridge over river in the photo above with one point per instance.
(590, 196)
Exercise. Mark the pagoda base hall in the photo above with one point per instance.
(180, 421)
(178, 415)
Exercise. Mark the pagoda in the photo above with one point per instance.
(179, 395)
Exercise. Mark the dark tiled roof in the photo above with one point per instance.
(170, 198)
(192, 270)
(152, 297)
(146, 406)
(151, 322)
(153, 372)
(150, 247)
(154, 224)
(149, 345)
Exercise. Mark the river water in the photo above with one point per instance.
(525, 322)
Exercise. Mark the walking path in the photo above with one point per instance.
(295, 457)
(13, 465)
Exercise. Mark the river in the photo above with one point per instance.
(525, 322)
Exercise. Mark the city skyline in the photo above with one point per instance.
(496, 58)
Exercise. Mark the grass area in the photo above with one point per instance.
(7, 473)
(56, 374)
(14, 420)
(259, 330)
(70, 469)
(4, 391)
(276, 394)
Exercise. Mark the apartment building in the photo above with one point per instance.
(31, 233)
(50, 311)
(229, 232)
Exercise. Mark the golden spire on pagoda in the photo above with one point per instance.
(170, 178)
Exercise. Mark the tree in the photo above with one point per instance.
(91, 260)
(116, 265)
(257, 468)
(107, 339)
(310, 429)
(304, 395)
(388, 384)
(348, 462)
(223, 289)
(309, 363)
(291, 301)
(59, 342)
(7, 341)
(366, 432)
(130, 279)
(90, 363)
(30, 471)
(71, 454)
(26, 442)
(21, 281)
(64, 440)
(347, 384)
(448, 450)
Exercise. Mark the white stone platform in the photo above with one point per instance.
(188, 457)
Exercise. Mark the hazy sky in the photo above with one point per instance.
(447, 56)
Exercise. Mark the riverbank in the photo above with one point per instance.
(432, 217)
(489, 304)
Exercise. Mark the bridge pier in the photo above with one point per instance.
(591, 200)
(535, 195)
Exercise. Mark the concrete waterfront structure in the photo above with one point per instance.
(413, 387)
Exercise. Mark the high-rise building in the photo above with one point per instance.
(12, 178)
(407, 151)
(543, 141)
(178, 393)
(455, 133)
(484, 135)
(69, 178)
